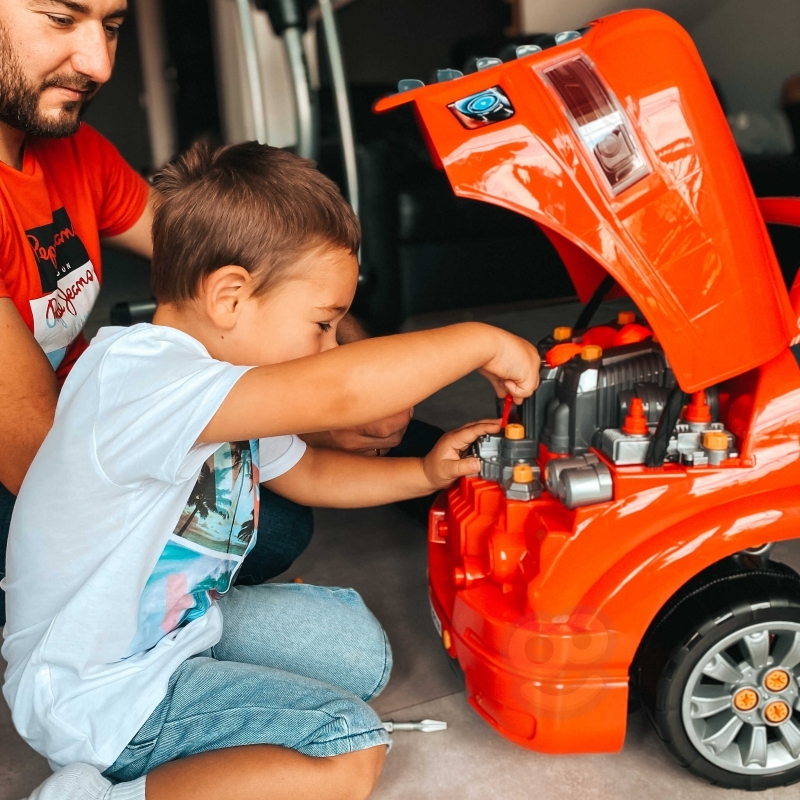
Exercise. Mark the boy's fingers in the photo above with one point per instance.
(462, 437)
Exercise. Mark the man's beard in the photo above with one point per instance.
(19, 98)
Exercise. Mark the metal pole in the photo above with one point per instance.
(306, 138)
(161, 124)
(342, 101)
(253, 71)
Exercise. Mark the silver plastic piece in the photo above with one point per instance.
(557, 465)
(585, 486)
(522, 491)
(716, 457)
(304, 106)
(686, 442)
(567, 36)
(486, 62)
(448, 75)
(424, 726)
(527, 50)
(622, 448)
(407, 84)
(343, 111)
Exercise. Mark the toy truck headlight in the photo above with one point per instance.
(599, 121)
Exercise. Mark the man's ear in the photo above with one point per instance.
(222, 293)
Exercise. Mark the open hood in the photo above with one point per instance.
(613, 141)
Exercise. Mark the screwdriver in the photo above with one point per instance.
(425, 726)
(506, 411)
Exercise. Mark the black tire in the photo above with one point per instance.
(727, 598)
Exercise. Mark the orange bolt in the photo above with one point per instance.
(715, 440)
(626, 317)
(446, 640)
(523, 473)
(777, 680)
(745, 699)
(562, 333)
(636, 422)
(515, 431)
(591, 352)
(776, 712)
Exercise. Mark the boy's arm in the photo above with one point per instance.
(369, 380)
(332, 479)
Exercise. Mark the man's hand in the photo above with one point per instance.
(376, 439)
(445, 463)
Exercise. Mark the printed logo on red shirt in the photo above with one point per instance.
(69, 285)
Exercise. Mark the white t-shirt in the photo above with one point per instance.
(124, 534)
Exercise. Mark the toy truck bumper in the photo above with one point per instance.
(548, 686)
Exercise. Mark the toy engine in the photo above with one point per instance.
(606, 396)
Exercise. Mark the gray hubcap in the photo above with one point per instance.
(741, 704)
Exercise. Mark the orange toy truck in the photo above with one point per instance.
(617, 539)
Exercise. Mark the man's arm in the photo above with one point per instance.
(138, 238)
(370, 380)
(28, 396)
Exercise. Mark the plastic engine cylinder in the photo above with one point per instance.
(585, 486)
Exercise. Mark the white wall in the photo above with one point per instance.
(749, 46)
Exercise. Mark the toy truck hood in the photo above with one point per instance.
(684, 238)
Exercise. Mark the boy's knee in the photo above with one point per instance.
(359, 771)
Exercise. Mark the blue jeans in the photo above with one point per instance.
(294, 667)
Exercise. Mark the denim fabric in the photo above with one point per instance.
(294, 667)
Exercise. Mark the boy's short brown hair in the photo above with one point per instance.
(247, 204)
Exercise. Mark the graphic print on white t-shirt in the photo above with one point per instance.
(215, 532)
(69, 285)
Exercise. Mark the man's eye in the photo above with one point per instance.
(60, 21)
(112, 31)
(324, 326)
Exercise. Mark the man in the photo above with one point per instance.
(63, 190)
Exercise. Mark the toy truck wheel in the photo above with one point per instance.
(726, 700)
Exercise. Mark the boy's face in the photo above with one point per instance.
(299, 317)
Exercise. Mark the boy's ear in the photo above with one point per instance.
(223, 291)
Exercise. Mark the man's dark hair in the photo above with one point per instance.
(247, 204)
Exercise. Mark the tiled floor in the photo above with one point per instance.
(381, 552)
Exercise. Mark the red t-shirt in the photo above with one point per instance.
(53, 211)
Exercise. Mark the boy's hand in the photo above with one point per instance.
(444, 464)
(514, 369)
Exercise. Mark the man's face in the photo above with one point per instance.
(54, 56)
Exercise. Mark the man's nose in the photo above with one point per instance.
(93, 55)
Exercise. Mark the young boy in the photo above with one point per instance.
(127, 649)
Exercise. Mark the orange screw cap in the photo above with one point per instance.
(698, 410)
(776, 712)
(636, 422)
(514, 431)
(562, 334)
(715, 440)
(592, 352)
(777, 680)
(626, 317)
(745, 699)
(523, 473)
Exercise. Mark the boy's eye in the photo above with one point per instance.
(324, 326)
